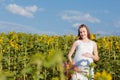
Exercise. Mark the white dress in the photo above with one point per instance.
(83, 62)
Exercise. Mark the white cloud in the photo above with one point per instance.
(78, 16)
(32, 8)
(24, 11)
(103, 33)
(8, 27)
(116, 32)
(76, 25)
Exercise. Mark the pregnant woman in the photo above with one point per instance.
(85, 54)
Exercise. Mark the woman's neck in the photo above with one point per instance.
(85, 40)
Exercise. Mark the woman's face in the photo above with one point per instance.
(83, 32)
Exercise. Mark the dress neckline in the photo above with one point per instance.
(85, 42)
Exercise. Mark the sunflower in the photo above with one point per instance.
(102, 76)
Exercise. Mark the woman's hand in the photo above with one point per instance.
(72, 63)
(75, 68)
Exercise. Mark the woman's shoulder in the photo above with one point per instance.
(93, 42)
(76, 42)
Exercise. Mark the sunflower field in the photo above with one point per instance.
(26, 56)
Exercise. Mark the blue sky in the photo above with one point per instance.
(60, 17)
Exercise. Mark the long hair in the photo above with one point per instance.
(88, 32)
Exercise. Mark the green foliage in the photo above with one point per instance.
(40, 57)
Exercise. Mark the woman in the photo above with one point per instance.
(86, 53)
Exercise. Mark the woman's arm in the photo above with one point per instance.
(71, 53)
(95, 55)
